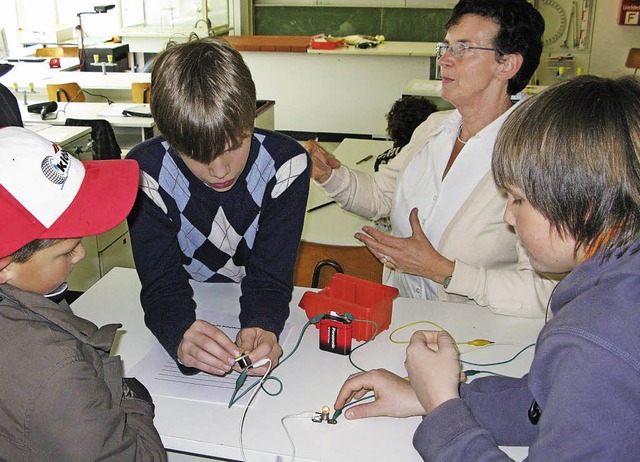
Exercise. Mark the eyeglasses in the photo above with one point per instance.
(457, 49)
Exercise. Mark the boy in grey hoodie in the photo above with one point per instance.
(569, 160)
(62, 397)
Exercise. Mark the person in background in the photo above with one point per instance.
(219, 202)
(449, 241)
(62, 397)
(569, 159)
(9, 110)
(404, 117)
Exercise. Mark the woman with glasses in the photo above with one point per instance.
(449, 241)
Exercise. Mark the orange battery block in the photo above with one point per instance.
(365, 300)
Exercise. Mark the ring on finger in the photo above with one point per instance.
(384, 259)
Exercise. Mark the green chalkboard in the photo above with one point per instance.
(414, 24)
(316, 20)
(396, 24)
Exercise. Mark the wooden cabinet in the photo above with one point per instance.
(104, 252)
(265, 114)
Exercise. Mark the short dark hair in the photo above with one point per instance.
(28, 250)
(574, 150)
(405, 115)
(521, 29)
(204, 99)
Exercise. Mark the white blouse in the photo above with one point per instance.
(438, 201)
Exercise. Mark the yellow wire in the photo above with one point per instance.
(479, 342)
(409, 325)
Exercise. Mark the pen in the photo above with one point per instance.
(364, 159)
(320, 206)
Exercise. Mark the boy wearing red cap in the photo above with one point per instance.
(62, 397)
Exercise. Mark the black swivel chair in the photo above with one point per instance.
(105, 145)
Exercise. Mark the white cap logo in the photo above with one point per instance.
(41, 176)
(56, 170)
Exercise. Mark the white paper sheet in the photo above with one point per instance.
(159, 373)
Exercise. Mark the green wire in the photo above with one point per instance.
(472, 372)
(243, 375)
(338, 413)
(500, 362)
(363, 344)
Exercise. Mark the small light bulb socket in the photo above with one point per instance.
(243, 361)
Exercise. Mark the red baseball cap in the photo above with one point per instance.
(46, 193)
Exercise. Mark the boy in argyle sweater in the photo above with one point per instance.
(219, 202)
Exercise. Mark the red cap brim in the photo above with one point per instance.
(103, 201)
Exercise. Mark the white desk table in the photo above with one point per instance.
(110, 112)
(432, 90)
(97, 81)
(26, 73)
(39, 74)
(331, 224)
(65, 137)
(311, 378)
(96, 85)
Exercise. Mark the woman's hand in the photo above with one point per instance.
(394, 396)
(412, 255)
(434, 367)
(322, 162)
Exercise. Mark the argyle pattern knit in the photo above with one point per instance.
(183, 230)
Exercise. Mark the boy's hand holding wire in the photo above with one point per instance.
(394, 396)
(261, 344)
(434, 368)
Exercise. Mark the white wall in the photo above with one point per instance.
(9, 21)
(333, 93)
(611, 42)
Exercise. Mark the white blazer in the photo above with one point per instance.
(462, 217)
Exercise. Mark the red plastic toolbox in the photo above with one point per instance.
(365, 300)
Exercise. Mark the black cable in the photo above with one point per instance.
(110, 101)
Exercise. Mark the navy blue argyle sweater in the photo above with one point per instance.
(181, 229)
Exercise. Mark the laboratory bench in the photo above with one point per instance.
(199, 428)
(73, 139)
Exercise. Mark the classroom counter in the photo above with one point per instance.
(424, 49)
(150, 42)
